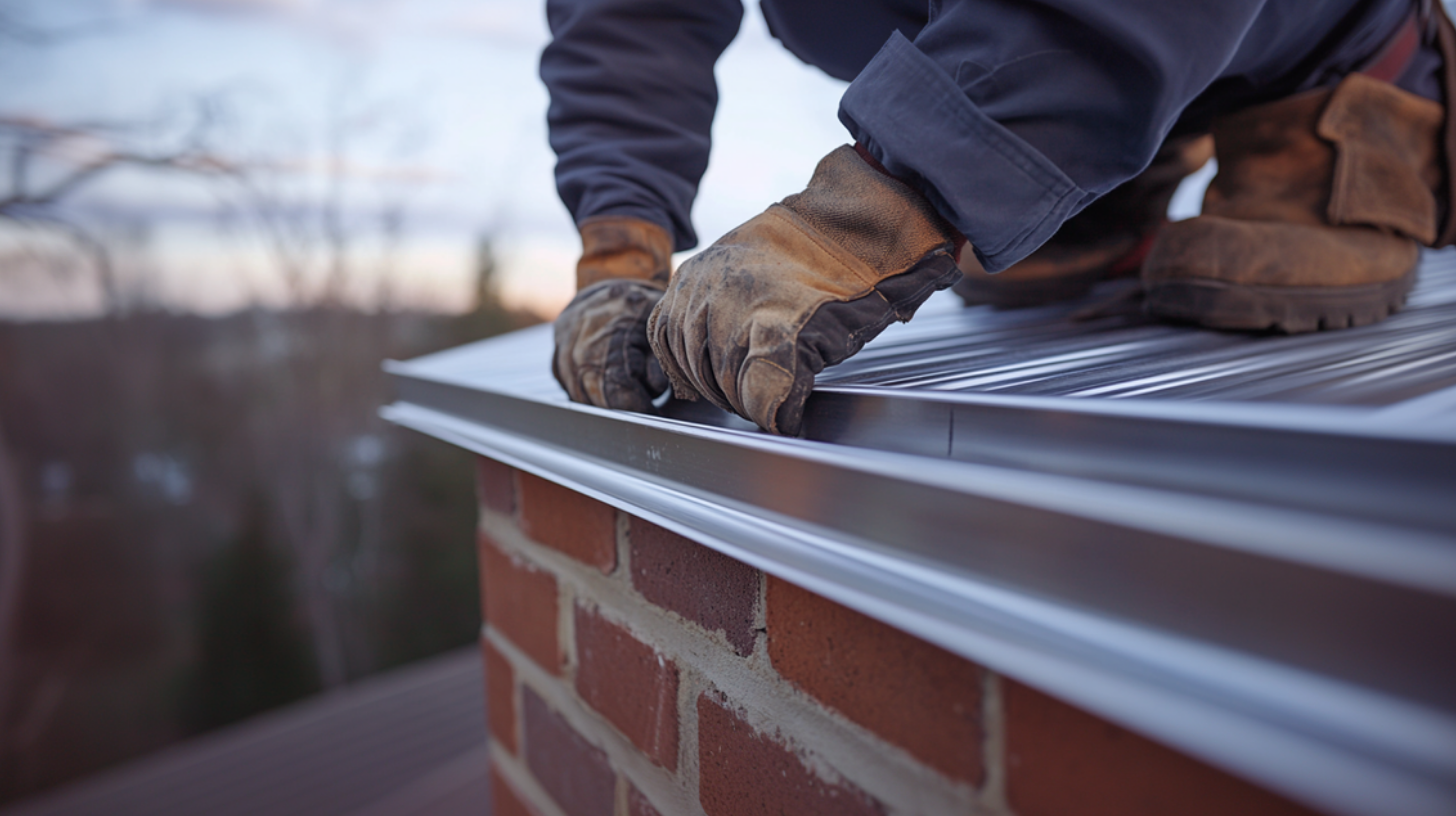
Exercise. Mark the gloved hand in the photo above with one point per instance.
(749, 321)
(602, 356)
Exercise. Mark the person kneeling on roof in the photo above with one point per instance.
(1041, 141)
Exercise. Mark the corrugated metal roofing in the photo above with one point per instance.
(406, 743)
(1058, 351)
(1054, 351)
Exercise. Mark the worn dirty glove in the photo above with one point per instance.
(749, 321)
(602, 355)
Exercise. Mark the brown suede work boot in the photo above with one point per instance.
(1315, 217)
(1107, 240)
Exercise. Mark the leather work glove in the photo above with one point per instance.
(602, 356)
(749, 321)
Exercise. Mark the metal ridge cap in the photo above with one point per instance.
(1326, 459)
(1033, 530)
(1385, 422)
(1320, 743)
(1413, 557)
(1397, 422)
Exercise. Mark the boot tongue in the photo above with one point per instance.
(1272, 166)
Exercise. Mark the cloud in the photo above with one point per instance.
(364, 22)
(418, 173)
(516, 23)
(240, 7)
(354, 23)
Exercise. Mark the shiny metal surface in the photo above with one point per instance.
(1244, 547)
(1047, 352)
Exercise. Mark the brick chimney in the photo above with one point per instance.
(631, 671)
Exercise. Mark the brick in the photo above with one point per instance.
(520, 602)
(500, 696)
(637, 804)
(575, 773)
(742, 772)
(565, 520)
(701, 584)
(503, 798)
(495, 485)
(1060, 759)
(914, 695)
(629, 683)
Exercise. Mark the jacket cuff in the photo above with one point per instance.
(1001, 193)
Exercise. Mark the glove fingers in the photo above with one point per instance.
(602, 355)
(641, 363)
(773, 395)
(698, 351)
(665, 342)
(626, 371)
(563, 366)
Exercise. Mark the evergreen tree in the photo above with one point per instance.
(251, 654)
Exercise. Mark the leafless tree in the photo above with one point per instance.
(50, 162)
(310, 198)
(308, 222)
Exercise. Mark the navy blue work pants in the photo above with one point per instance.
(1009, 115)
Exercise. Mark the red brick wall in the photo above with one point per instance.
(632, 672)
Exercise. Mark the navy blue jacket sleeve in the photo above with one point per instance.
(1012, 116)
(632, 103)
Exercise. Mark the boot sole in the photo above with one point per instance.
(1288, 309)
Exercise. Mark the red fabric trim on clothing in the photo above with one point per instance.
(1392, 60)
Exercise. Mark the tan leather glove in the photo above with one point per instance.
(749, 321)
(602, 355)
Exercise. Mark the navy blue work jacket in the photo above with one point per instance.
(1009, 115)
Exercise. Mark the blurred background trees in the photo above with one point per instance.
(213, 520)
(203, 517)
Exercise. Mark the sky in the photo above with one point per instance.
(440, 115)
(428, 113)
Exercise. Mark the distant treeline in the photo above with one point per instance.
(214, 521)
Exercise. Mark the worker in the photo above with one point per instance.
(1043, 139)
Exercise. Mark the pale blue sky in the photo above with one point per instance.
(457, 123)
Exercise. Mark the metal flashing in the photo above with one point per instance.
(1241, 546)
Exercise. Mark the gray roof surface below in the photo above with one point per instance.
(409, 742)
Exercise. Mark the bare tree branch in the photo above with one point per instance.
(35, 138)
(32, 138)
(93, 248)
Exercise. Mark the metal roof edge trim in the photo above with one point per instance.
(1402, 420)
(1411, 420)
(1337, 745)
